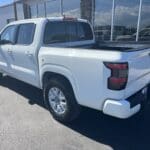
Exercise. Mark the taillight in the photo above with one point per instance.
(119, 75)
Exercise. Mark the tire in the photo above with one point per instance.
(1, 76)
(145, 103)
(148, 93)
(69, 109)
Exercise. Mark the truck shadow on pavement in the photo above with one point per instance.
(130, 134)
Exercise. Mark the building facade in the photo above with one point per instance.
(113, 20)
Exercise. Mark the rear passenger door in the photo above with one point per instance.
(24, 64)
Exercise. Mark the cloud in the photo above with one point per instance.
(103, 18)
(71, 13)
(145, 20)
(123, 16)
(74, 12)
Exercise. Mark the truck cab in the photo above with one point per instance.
(23, 39)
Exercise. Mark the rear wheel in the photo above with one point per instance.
(60, 100)
(148, 93)
(1, 75)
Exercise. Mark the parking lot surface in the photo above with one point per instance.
(25, 124)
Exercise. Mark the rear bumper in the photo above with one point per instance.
(120, 109)
(125, 108)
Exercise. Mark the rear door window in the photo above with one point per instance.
(26, 33)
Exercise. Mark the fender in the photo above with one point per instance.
(62, 70)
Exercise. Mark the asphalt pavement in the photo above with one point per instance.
(25, 124)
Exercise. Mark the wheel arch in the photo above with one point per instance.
(61, 73)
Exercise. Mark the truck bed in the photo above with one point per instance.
(120, 48)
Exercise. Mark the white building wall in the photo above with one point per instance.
(6, 13)
(20, 13)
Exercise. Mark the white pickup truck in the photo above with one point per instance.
(59, 56)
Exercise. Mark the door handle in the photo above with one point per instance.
(9, 51)
(28, 54)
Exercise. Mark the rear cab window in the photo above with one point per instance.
(84, 31)
(55, 32)
(67, 31)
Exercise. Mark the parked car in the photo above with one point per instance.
(59, 56)
(144, 35)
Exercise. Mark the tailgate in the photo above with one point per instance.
(139, 71)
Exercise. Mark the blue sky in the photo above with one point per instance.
(3, 2)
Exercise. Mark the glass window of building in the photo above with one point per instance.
(20, 13)
(7, 12)
(33, 9)
(144, 32)
(125, 20)
(103, 13)
(53, 8)
(71, 8)
(41, 10)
